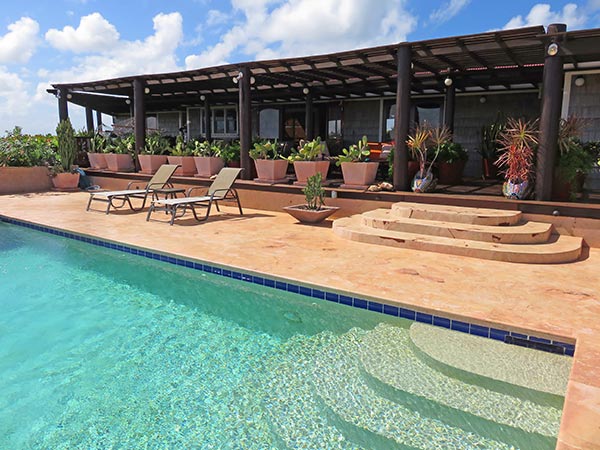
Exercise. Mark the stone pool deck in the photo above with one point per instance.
(555, 301)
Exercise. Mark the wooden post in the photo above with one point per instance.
(449, 102)
(89, 119)
(553, 80)
(245, 123)
(207, 120)
(309, 122)
(139, 114)
(98, 121)
(402, 120)
(63, 109)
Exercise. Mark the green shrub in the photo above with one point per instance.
(25, 150)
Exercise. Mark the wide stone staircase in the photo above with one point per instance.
(476, 232)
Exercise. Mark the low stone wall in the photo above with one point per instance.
(20, 180)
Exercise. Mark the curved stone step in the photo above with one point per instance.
(394, 370)
(502, 366)
(459, 214)
(559, 249)
(525, 233)
(345, 393)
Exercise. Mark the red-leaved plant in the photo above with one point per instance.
(517, 142)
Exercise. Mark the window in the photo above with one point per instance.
(224, 121)
(334, 122)
(195, 123)
(269, 124)
(430, 113)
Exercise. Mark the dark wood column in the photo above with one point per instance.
(63, 110)
(449, 102)
(98, 121)
(245, 123)
(553, 80)
(402, 119)
(89, 119)
(207, 120)
(139, 114)
(309, 122)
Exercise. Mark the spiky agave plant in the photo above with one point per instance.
(517, 143)
(417, 143)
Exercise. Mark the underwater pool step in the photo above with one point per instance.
(522, 233)
(558, 249)
(458, 214)
(394, 370)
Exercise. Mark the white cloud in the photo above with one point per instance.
(216, 17)
(447, 11)
(18, 45)
(304, 27)
(14, 101)
(93, 33)
(542, 14)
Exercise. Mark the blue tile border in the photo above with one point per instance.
(371, 305)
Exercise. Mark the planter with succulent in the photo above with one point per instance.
(308, 160)
(154, 153)
(231, 154)
(182, 155)
(207, 157)
(314, 210)
(357, 171)
(489, 149)
(96, 155)
(63, 176)
(119, 154)
(270, 167)
(425, 145)
(452, 159)
(517, 144)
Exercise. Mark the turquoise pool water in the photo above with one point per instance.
(101, 349)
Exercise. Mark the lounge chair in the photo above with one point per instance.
(160, 180)
(220, 190)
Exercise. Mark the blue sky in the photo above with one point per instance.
(43, 42)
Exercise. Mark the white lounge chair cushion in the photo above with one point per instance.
(184, 200)
(108, 194)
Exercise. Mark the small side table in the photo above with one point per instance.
(167, 192)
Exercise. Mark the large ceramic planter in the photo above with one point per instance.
(304, 215)
(66, 181)
(17, 180)
(306, 169)
(425, 183)
(187, 167)
(97, 161)
(271, 170)
(359, 175)
(207, 166)
(117, 162)
(517, 191)
(451, 173)
(151, 163)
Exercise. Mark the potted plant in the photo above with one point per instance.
(96, 155)
(517, 142)
(153, 154)
(119, 154)
(182, 155)
(452, 159)
(314, 211)
(207, 157)
(63, 176)
(231, 154)
(425, 145)
(357, 171)
(489, 149)
(270, 168)
(308, 160)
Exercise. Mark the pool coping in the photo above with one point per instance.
(489, 331)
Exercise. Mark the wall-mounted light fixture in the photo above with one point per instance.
(128, 101)
(553, 49)
(448, 81)
(482, 99)
(203, 97)
(69, 96)
(252, 80)
(579, 81)
(237, 78)
(146, 90)
(305, 91)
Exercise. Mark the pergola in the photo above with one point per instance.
(494, 61)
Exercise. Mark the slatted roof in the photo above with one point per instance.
(496, 60)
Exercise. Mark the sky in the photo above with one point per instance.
(44, 42)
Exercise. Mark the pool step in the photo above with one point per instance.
(524, 233)
(394, 370)
(458, 214)
(558, 249)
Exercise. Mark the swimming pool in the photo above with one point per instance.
(102, 349)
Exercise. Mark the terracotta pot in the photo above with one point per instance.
(271, 170)
(490, 171)
(151, 163)
(187, 166)
(304, 215)
(451, 173)
(97, 160)
(119, 162)
(359, 174)
(207, 166)
(305, 169)
(66, 181)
